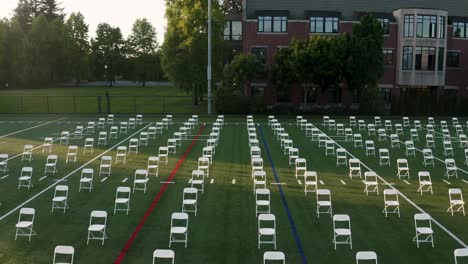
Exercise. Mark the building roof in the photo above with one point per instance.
(350, 8)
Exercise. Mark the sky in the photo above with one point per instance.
(121, 13)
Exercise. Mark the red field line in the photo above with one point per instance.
(129, 243)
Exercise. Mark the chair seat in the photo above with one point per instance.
(342, 232)
(426, 183)
(86, 180)
(96, 227)
(198, 181)
(392, 203)
(178, 230)
(310, 183)
(371, 183)
(59, 199)
(122, 200)
(424, 230)
(189, 201)
(324, 203)
(259, 182)
(266, 231)
(457, 202)
(24, 178)
(50, 165)
(141, 181)
(153, 166)
(263, 202)
(24, 224)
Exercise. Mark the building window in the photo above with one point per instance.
(260, 53)
(276, 24)
(424, 59)
(459, 29)
(453, 59)
(409, 26)
(385, 23)
(324, 24)
(388, 57)
(233, 30)
(441, 27)
(440, 63)
(426, 26)
(407, 58)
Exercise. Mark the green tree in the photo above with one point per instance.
(4, 51)
(185, 50)
(283, 72)
(364, 65)
(107, 49)
(28, 10)
(243, 69)
(142, 46)
(51, 9)
(78, 47)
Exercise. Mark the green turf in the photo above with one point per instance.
(225, 228)
(86, 100)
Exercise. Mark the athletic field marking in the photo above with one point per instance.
(278, 183)
(104, 179)
(465, 181)
(211, 181)
(321, 182)
(299, 181)
(447, 182)
(125, 180)
(456, 139)
(343, 182)
(129, 243)
(391, 183)
(3, 177)
(69, 175)
(233, 181)
(166, 182)
(29, 128)
(407, 182)
(43, 178)
(60, 180)
(190, 181)
(283, 199)
(406, 198)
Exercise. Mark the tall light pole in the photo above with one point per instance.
(209, 57)
(107, 89)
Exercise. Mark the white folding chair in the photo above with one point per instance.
(131, 123)
(86, 181)
(391, 202)
(105, 169)
(169, 118)
(414, 134)
(163, 154)
(114, 132)
(122, 199)
(60, 200)
(357, 138)
(123, 127)
(139, 119)
(64, 137)
(90, 127)
(208, 153)
(102, 138)
(165, 254)
(451, 169)
(425, 182)
(342, 230)
(190, 200)
(110, 119)
(133, 146)
(466, 156)
(89, 145)
(27, 153)
(266, 229)
(370, 148)
(310, 181)
(371, 183)
(25, 179)
(361, 125)
(78, 132)
(394, 141)
(198, 180)
(430, 120)
(4, 163)
(51, 165)
(301, 166)
(204, 165)
(144, 139)
(406, 121)
(457, 203)
(371, 130)
(259, 180)
(399, 129)
(354, 168)
(460, 253)
(341, 157)
(377, 121)
(410, 149)
(382, 134)
(159, 128)
(423, 227)
(348, 134)
(323, 197)
(428, 158)
(179, 228)
(140, 180)
(152, 132)
(448, 149)
(97, 226)
(417, 124)
(25, 224)
(121, 155)
(463, 141)
(366, 256)
(47, 146)
(276, 256)
(153, 166)
(384, 157)
(62, 254)
(72, 154)
(262, 201)
(101, 123)
(403, 168)
(340, 129)
(388, 126)
(352, 121)
(430, 129)
(257, 164)
(329, 148)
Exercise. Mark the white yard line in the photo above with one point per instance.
(3, 177)
(321, 182)
(407, 182)
(211, 181)
(405, 197)
(278, 183)
(165, 182)
(29, 128)
(343, 182)
(69, 175)
(104, 179)
(299, 181)
(465, 181)
(125, 180)
(447, 182)
(43, 178)
(233, 181)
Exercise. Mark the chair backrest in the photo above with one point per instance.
(141, 173)
(64, 250)
(322, 194)
(106, 160)
(27, 211)
(300, 162)
(262, 192)
(123, 189)
(179, 216)
(341, 152)
(421, 218)
(370, 176)
(52, 159)
(89, 141)
(274, 255)
(198, 173)
(153, 160)
(402, 163)
(266, 218)
(455, 191)
(96, 214)
(460, 252)
(450, 163)
(310, 176)
(384, 152)
(61, 188)
(389, 194)
(354, 163)
(366, 255)
(163, 254)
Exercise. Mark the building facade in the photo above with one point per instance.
(425, 46)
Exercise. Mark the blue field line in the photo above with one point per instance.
(283, 199)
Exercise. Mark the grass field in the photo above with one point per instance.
(85, 100)
(225, 227)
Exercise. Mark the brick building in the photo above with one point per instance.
(425, 48)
